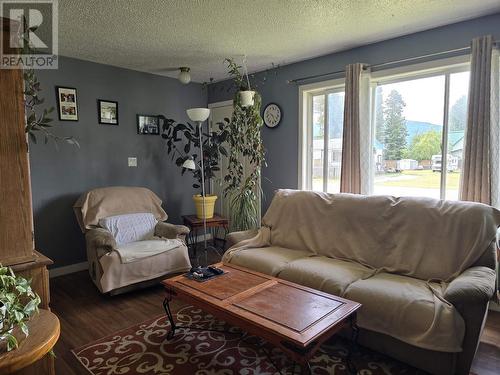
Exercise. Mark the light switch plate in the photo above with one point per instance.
(132, 162)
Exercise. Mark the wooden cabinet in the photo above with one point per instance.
(16, 216)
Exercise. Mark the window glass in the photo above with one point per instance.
(318, 139)
(335, 127)
(408, 137)
(457, 118)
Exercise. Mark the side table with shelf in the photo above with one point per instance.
(214, 226)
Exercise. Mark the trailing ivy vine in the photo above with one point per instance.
(245, 143)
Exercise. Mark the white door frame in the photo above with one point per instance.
(225, 103)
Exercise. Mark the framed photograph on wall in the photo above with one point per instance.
(67, 104)
(107, 111)
(148, 124)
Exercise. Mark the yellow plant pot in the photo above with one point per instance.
(209, 205)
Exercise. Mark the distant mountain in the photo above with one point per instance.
(419, 127)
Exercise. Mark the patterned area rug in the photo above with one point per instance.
(143, 349)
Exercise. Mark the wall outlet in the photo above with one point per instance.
(132, 162)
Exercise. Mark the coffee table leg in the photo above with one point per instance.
(166, 306)
(353, 345)
(306, 369)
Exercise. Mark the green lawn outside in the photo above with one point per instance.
(420, 179)
(425, 179)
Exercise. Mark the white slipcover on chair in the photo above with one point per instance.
(127, 240)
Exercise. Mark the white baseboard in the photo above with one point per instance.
(72, 268)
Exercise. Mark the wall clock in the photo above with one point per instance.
(272, 115)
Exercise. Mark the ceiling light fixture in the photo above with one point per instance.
(184, 77)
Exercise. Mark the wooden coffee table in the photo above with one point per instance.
(295, 318)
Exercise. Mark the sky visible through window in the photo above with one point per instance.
(430, 91)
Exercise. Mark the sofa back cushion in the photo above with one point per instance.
(420, 237)
(130, 227)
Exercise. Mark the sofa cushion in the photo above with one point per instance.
(133, 251)
(407, 309)
(325, 274)
(116, 274)
(269, 260)
(130, 227)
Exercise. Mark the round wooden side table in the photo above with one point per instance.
(44, 331)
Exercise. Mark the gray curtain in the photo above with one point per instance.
(350, 175)
(475, 184)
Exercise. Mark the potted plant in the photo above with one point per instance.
(245, 143)
(182, 141)
(17, 304)
(245, 93)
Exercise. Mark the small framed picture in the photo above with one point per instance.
(107, 111)
(67, 103)
(148, 124)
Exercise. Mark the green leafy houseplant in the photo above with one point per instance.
(36, 123)
(184, 139)
(17, 304)
(39, 123)
(244, 139)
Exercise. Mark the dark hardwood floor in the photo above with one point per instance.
(86, 315)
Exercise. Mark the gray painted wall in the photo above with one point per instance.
(59, 176)
(282, 142)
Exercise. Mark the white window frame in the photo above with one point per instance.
(428, 69)
(306, 93)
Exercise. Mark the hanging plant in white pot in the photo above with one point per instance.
(247, 98)
(245, 92)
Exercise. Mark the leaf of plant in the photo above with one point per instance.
(11, 342)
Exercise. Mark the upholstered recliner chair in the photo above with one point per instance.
(127, 240)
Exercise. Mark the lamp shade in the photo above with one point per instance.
(189, 164)
(198, 114)
(184, 77)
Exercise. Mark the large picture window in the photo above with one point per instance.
(419, 134)
(418, 121)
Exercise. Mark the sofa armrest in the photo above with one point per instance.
(470, 293)
(475, 285)
(167, 230)
(100, 238)
(235, 237)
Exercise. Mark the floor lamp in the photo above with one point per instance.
(199, 116)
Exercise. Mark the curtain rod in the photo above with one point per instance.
(394, 62)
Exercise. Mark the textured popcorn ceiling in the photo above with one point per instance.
(148, 35)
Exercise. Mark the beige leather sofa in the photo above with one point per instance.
(423, 269)
(107, 267)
